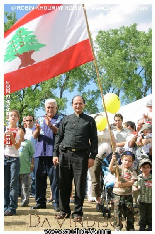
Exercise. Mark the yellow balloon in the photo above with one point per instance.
(112, 102)
(101, 123)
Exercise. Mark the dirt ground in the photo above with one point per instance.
(41, 219)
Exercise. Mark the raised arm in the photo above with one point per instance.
(112, 168)
(17, 144)
(36, 132)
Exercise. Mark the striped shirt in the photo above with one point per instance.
(145, 188)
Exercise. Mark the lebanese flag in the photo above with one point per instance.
(148, 183)
(48, 41)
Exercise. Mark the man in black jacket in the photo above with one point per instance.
(78, 144)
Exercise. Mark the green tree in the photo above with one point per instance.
(125, 62)
(11, 19)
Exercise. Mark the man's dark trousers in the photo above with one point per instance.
(44, 167)
(72, 165)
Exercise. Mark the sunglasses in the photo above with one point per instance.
(30, 120)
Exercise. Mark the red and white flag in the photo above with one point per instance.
(47, 42)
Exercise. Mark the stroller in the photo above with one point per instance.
(108, 184)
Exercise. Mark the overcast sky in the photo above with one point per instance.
(104, 17)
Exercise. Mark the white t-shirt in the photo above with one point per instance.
(104, 143)
(10, 150)
(121, 136)
(29, 136)
(126, 146)
(146, 148)
(29, 133)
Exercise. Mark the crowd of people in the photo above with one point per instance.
(69, 149)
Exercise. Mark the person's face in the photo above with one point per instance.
(51, 109)
(29, 121)
(146, 132)
(127, 161)
(78, 105)
(145, 169)
(140, 124)
(149, 108)
(130, 128)
(24, 122)
(127, 127)
(13, 117)
(118, 122)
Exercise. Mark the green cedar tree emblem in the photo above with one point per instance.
(22, 45)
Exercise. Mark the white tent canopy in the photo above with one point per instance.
(131, 112)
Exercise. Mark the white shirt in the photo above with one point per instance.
(104, 143)
(10, 150)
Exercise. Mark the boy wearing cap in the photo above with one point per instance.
(148, 116)
(145, 139)
(144, 186)
(123, 200)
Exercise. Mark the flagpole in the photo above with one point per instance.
(100, 86)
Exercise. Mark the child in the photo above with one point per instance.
(144, 186)
(148, 116)
(144, 140)
(123, 201)
(12, 140)
(26, 152)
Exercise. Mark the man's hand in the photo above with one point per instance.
(36, 132)
(90, 162)
(139, 141)
(55, 161)
(47, 120)
(145, 116)
(38, 125)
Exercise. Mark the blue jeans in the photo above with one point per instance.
(11, 174)
(44, 167)
(33, 187)
(25, 183)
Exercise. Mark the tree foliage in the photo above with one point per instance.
(125, 61)
(11, 19)
(124, 58)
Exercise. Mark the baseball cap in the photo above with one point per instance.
(149, 103)
(128, 153)
(145, 160)
(146, 127)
